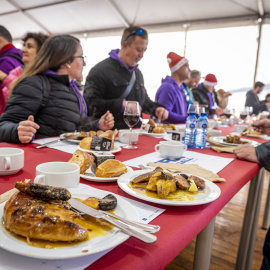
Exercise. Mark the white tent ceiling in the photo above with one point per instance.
(106, 17)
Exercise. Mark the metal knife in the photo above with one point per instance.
(58, 140)
(126, 228)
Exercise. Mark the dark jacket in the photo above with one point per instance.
(200, 95)
(104, 86)
(263, 154)
(61, 113)
(253, 101)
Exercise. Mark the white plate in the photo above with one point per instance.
(69, 134)
(209, 194)
(93, 178)
(155, 135)
(221, 138)
(94, 245)
(114, 150)
(168, 137)
(257, 136)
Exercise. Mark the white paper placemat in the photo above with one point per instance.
(212, 163)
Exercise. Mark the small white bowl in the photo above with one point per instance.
(214, 132)
(240, 128)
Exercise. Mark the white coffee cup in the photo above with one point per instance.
(11, 160)
(124, 135)
(171, 149)
(58, 174)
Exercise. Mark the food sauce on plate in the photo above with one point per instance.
(179, 195)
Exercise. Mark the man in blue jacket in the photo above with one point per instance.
(10, 58)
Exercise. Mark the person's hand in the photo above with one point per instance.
(246, 152)
(226, 94)
(161, 114)
(3, 75)
(262, 126)
(27, 129)
(219, 111)
(263, 116)
(106, 121)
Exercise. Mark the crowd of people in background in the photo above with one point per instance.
(39, 95)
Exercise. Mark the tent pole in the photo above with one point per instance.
(258, 49)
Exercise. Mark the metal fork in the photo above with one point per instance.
(146, 227)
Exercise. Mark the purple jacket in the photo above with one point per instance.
(7, 63)
(172, 97)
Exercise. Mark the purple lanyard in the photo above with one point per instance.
(76, 91)
(211, 100)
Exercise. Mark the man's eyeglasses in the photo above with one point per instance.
(138, 32)
(81, 56)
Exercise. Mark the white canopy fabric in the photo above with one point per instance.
(107, 17)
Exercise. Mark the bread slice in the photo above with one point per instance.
(83, 159)
(111, 168)
(86, 143)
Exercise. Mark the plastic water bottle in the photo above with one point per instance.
(190, 133)
(201, 136)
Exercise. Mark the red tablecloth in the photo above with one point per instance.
(179, 225)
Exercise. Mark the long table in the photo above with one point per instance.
(179, 225)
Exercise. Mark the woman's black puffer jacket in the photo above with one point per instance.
(65, 110)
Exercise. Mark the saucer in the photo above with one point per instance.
(9, 172)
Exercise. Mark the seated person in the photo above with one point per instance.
(261, 155)
(106, 86)
(205, 94)
(170, 94)
(266, 100)
(252, 99)
(223, 98)
(10, 58)
(189, 84)
(40, 110)
(32, 44)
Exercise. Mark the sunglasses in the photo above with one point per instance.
(138, 32)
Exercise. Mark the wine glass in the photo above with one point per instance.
(227, 113)
(244, 113)
(131, 118)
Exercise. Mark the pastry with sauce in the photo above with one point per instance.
(167, 186)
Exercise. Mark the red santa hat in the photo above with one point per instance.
(210, 80)
(175, 61)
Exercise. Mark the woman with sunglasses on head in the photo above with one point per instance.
(171, 94)
(45, 101)
(107, 84)
(32, 43)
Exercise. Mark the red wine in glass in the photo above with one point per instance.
(228, 115)
(243, 116)
(131, 117)
(131, 120)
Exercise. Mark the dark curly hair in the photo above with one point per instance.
(38, 37)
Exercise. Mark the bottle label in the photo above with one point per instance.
(192, 125)
(204, 126)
